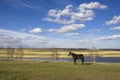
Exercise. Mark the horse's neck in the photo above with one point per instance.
(73, 54)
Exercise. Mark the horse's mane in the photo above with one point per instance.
(73, 53)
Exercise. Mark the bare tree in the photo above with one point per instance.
(93, 53)
(10, 52)
(55, 53)
(20, 52)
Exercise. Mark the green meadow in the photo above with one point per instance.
(37, 70)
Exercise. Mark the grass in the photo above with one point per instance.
(36, 70)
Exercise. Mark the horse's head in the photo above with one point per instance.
(70, 53)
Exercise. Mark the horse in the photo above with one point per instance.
(77, 56)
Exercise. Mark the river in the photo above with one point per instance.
(87, 59)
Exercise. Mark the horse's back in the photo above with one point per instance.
(81, 55)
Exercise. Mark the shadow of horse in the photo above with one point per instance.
(88, 63)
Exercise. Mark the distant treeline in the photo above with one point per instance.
(110, 49)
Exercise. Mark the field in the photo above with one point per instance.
(36, 70)
(51, 53)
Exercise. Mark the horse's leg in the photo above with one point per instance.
(82, 60)
(74, 61)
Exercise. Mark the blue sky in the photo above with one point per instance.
(60, 23)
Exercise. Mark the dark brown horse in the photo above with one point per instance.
(77, 56)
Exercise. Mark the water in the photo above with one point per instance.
(104, 59)
(87, 59)
(108, 59)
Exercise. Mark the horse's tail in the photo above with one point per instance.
(82, 58)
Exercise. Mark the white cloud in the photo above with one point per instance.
(36, 30)
(60, 16)
(115, 20)
(109, 37)
(70, 15)
(93, 5)
(15, 39)
(104, 38)
(87, 15)
(68, 28)
(58, 13)
(115, 28)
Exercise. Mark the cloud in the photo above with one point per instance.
(67, 28)
(93, 5)
(112, 37)
(104, 38)
(115, 20)
(16, 39)
(115, 28)
(87, 15)
(70, 15)
(36, 30)
(60, 16)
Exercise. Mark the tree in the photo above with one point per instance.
(55, 53)
(10, 52)
(20, 52)
(93, 53)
